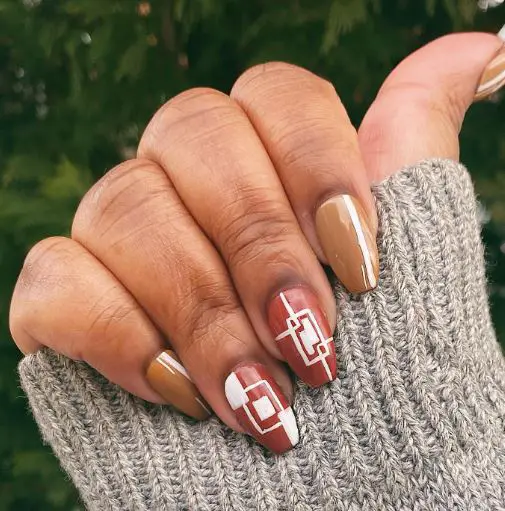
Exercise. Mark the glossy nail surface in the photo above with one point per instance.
(303, 335)
(261, 407)
(493, 77)
(169, 379)
(348, 243)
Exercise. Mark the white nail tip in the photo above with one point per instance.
(287, 418)
(235, 393)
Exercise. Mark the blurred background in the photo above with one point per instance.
(80, 79)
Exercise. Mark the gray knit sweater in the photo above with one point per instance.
(414, 421)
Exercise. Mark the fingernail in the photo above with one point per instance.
(493, 77)
(303, 335)
(169, 379)
(261, 408)
(348, 243)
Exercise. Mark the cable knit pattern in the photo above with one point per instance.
(414, 421)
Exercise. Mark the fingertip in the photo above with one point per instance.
(453, 63)
(434, 87)
(168, 377)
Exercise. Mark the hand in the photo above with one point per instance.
(209, 242)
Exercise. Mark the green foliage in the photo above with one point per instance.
(79, 79)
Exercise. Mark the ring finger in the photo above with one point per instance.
(133, 222)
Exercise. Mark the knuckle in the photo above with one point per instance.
(256, 233)
(309, 141)
(116, 203)
(47, 253)
(110, 316)
(261, 71)
(188, 116)
(191, 103)
(264, 72)
(262, 78)
(213, 305)
(39, 275)
(197, 95)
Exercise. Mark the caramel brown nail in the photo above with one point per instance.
(348, 243)
(169, 379)
(493, 77)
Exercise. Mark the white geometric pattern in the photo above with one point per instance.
(264, 407)
(309, 339)
(238, 397)
(272, 396)
(308, 336)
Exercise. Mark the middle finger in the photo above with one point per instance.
(314, 147)
(204, 137)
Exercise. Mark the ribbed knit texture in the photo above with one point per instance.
(414, 421)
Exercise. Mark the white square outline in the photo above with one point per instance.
(292, 323)
(264, 407)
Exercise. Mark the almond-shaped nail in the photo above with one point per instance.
(168, 377)
(348, 243)
(261, 407)
(303, 335)
(493, 77)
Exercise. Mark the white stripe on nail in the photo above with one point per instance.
(170, 363)
(200, 402)
(367, 259)
(497, 80)
(287, 418)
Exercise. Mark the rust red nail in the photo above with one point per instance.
(261, 407)
(303, 335)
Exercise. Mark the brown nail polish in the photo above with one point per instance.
(493, 77)
(348, 243)
(169, 379)
(261, 407)
(303, 335)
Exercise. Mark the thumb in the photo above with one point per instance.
(420, 108)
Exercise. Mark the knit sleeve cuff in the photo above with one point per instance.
(414, 419)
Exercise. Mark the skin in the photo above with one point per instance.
(190, 240)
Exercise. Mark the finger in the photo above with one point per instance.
(434, 86)
(134, 223)
(66, 300)
(241, 205)
(314, 148)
